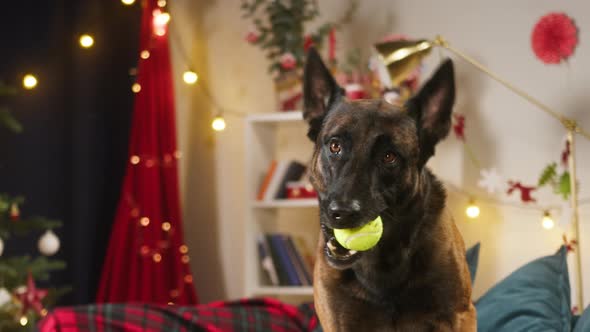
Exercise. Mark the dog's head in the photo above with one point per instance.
(369, 155)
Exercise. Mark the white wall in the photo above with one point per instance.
(506, 132)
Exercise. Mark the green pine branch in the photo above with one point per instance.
(14, 270)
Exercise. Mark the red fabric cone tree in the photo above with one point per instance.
(147, 260)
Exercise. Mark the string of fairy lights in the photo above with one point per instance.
(162, 21)
(473, 210)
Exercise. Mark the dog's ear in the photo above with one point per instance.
(432, 108)
(320, 91)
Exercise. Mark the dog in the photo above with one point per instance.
(370, 160)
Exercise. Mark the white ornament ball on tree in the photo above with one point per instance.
(49, 243)
(5, 296)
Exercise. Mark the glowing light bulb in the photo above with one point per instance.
(218, 123)
(145, 221)
(145, 54)
(86, 41)
(160, 22)
(24, 321)
(547, 221)
(472, 210)
(136, 87)
(29, 81)
(161, 3)
(190, 77)
(128, 2)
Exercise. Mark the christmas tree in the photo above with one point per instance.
(22, 304)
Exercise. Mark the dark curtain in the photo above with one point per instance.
(70, 159)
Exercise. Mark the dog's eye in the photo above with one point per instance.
(389, 157)
(335, 147)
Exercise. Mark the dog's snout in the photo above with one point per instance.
(341, 211)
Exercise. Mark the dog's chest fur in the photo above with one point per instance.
(423, 290)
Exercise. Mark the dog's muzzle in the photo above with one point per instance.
(337, 256)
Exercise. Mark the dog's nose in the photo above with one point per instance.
(341, 211)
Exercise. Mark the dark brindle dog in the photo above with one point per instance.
(369, 161)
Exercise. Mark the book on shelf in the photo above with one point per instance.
(302, 271)
(265, 183)
(288, 264)
(279, 173)
(277, 262)
(275, 180)
(279, 244)
(266, 261)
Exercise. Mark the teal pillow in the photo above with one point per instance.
(472, 257)
(583, 323)
(536, 297)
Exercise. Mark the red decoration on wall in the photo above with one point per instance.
(570, 245)
(565, 154)
(459, 126)
(554, 38)
(146, 259)
(525, 192)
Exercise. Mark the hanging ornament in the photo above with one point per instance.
(31, 297)
(554, 38)
(1, 246)
(5, 296)
(48, 243)
(14, 212)
(525, 192)
(490, 180)
(459, 126)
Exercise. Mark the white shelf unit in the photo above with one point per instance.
(275, 136)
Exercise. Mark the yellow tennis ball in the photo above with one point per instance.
(360, 238)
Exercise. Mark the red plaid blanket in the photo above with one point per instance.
(244, 315)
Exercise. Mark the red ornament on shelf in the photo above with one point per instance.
(554, 38)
